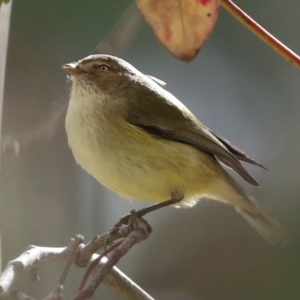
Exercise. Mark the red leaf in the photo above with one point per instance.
(182, 26)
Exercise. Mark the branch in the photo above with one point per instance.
(261, 33)
(139, 230)
(80, 255)
(28, 261)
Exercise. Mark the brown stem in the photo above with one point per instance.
(77, 241)
(94, 263)
(141, 231)
(34, 256)
(261, 33)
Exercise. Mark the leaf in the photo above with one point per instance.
(182, 26)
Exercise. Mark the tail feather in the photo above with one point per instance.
(264, 224)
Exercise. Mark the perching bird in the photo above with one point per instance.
(139, 140)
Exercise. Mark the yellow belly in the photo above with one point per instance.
(137, 165)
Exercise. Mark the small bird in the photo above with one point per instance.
(139, 140)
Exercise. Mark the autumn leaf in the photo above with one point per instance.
(182, 26)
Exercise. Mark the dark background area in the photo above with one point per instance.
(237, 86)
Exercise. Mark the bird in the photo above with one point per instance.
(137, 139)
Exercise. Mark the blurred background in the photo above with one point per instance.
(237, 86)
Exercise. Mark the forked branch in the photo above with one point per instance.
(80, 255)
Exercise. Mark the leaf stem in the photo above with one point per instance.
(261, 33)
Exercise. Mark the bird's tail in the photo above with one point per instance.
(264, 224)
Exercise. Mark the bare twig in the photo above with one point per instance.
(77, 241)
(140, 232)
(261, 33)
(92, 265)
(97, 243)
(30, 259)
(124, 286)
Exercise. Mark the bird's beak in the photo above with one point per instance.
(72, 68)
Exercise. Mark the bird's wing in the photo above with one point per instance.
(162, 115)
(238, 153)
(204, 142)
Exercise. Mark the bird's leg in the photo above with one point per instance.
(176, 198)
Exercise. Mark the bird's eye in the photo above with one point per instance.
(103, 68)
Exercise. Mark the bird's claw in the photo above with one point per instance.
(126, 220)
